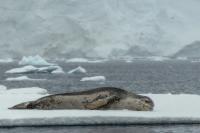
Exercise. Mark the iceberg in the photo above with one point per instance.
(169, 109)
(8, 60)
(78, 70)
(32, 69)
(95, 78)
(23, 78)
(34, 60)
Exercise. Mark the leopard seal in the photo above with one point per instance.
(104, 98)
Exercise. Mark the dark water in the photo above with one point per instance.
(139, 77)
(106, 129)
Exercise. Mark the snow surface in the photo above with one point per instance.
(30, 90)
(94, 78)
(78, 70)
(179, 108)
(22, 78)
(34, 60)
(32, 69)
(2, 88)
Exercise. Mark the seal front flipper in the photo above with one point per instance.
(100, 102)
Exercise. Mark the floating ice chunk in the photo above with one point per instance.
(34, 60)
(30, 90)
(8, 60)
(59, 70)
(18, 78)
(95, 78)
(48, 69)
(157, 58)
(182, 58)
(83, 60)
(25, 69)
(32, 69)
(129, 61)
(78, 70)
(22, 78)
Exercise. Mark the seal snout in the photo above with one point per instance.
(148, 103)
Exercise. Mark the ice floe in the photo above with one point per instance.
(34, 60)
(94, 78)
(59, 70)
(158, 58)
(181, 58)
(7, 60)
(174, 109)
(78, 70)
(84, 60)
(23, 78)
(32, 69)
(24, 69)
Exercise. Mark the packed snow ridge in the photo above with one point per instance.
(23, 78)
(168, 109)
(34, 60)
(94, 78)
(32, 69)
(78, 70)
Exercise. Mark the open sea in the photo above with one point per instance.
(138, 76)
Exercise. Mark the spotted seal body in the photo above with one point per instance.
(96, 99)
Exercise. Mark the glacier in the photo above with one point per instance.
(169, 109)
(77, 28)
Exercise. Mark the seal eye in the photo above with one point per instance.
(146, 100)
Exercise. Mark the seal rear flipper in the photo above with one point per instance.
(24, 105)
(100, 102)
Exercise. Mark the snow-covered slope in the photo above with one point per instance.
(189, 51)
(93, 28)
